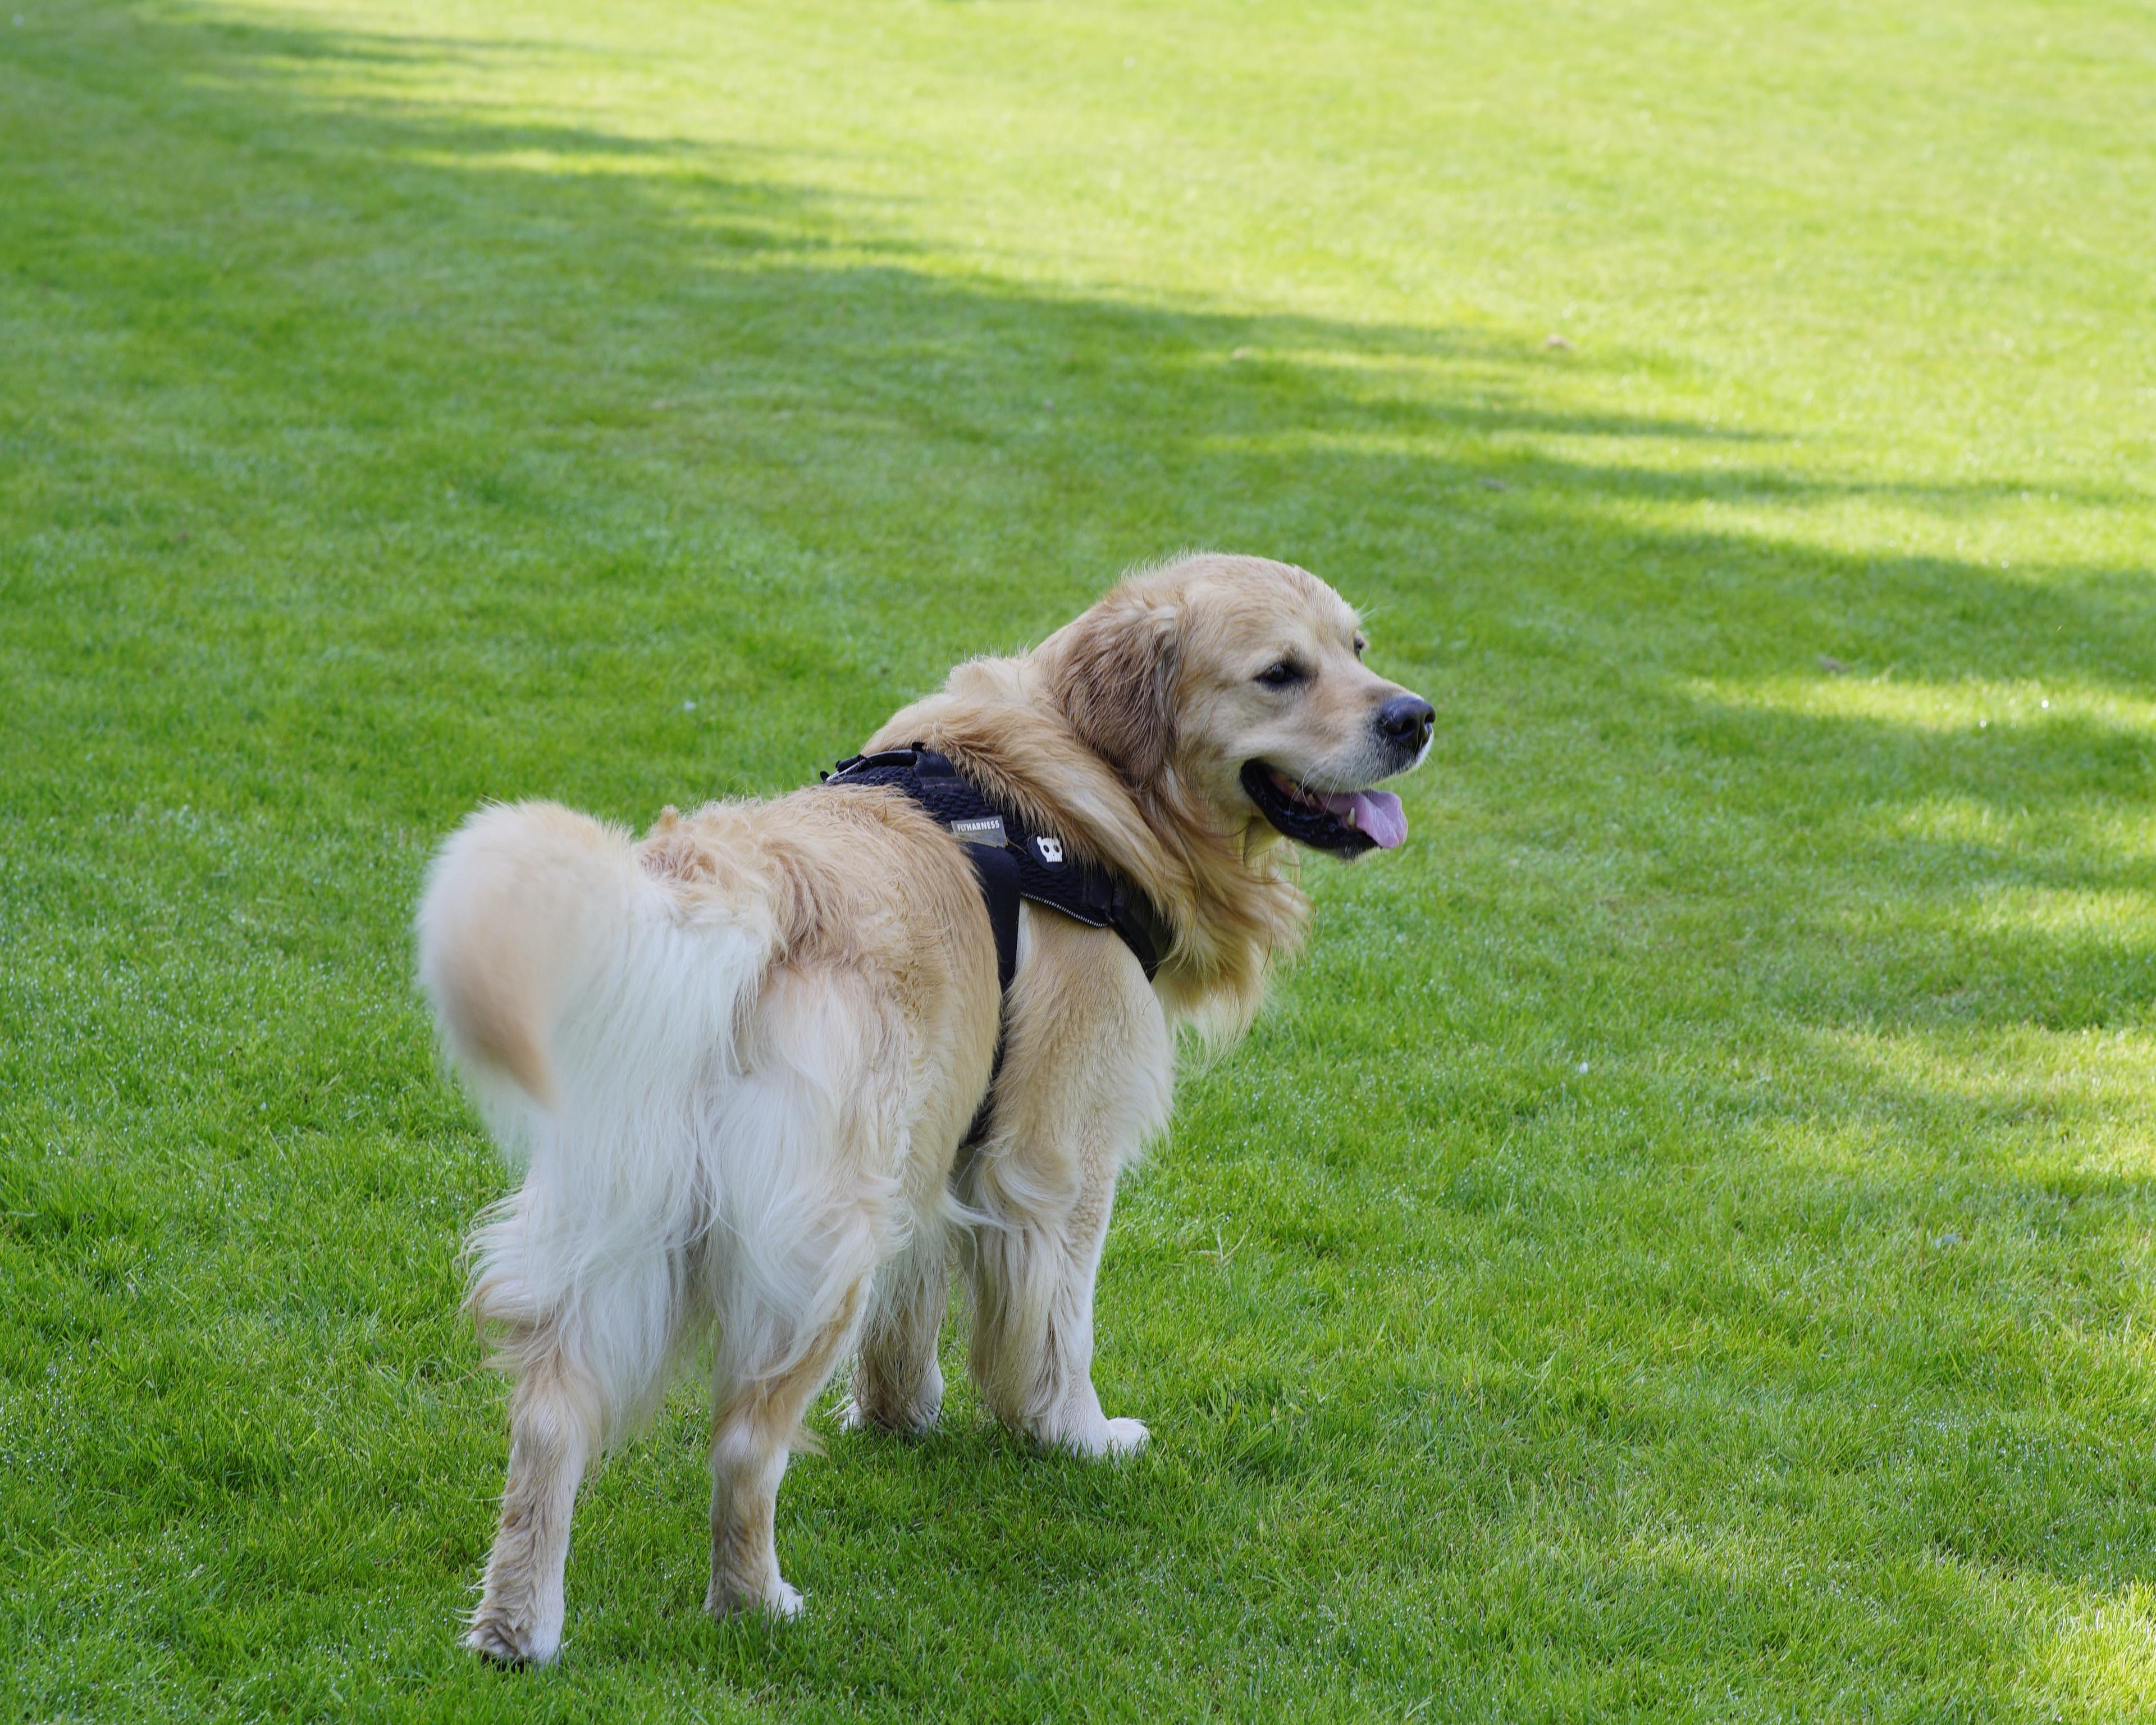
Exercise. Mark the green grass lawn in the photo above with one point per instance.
(1680, 1247)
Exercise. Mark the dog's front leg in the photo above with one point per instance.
(1033, 1320)
(1088, 1077)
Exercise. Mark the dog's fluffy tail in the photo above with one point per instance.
(595, 1011)
(558, 969)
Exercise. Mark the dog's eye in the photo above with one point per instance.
(1360, 643)
(1282, 675)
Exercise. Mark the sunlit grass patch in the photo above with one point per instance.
(1839, 690)
(2098, 1661)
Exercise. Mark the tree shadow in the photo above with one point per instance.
(625, 367)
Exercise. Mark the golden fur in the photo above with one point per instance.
(739, 1055)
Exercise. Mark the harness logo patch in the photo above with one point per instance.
(1051, 850)
(981, 829)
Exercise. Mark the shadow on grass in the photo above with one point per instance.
(674, 409)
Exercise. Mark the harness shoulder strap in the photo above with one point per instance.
(999, 888)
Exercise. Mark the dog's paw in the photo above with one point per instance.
(912, 1422)
(782, 1603)
(1109, 1440)
(505, 1644)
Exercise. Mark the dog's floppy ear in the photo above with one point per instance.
(1113, 672)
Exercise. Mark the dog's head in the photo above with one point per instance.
(1243, 680)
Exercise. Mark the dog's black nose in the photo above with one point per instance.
(1406, 720)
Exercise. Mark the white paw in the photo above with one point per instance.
(781, 1604)
(916, 1423)
(1110, 1439)
(492, 1639)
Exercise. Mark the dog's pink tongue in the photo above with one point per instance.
(1377, 815)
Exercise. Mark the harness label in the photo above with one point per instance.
(1051, 850)
(985, 830)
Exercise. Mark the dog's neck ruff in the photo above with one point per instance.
(1014, 862)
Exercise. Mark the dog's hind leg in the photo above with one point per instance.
(898, 1382)
(756, 1423)
(587, 1353)
(554, 1429)
(812, 1141)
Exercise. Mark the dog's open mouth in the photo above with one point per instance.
(1346, 822)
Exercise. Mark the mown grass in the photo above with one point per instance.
(1679, 1247)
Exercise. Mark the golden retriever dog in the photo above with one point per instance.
(738, 1057)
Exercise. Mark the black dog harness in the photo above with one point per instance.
(1013, 863)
